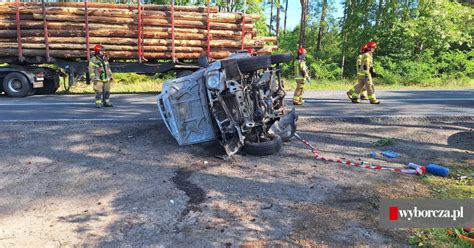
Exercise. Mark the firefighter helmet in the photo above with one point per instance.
(363, 48)
(98, 48)
(371, 45)
(301, 51)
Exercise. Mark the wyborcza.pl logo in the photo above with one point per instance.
(410, 214)
(426, 213)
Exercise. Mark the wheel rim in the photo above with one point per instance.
(15, 85)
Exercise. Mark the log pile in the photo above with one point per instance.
(115, 26)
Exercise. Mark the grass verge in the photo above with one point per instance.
(135, 83)
(459, 185)
(349, 83)
(124, 83)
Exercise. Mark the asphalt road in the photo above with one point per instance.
(322, 104)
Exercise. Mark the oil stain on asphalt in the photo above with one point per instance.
(196, 194)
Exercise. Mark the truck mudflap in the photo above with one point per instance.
(184, 108)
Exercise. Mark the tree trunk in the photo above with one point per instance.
(378, 21)
(111, 54)
(271, 18)
(278, 19)
(117, 30)
(92, 6)
(286, 15)
(304, 11)
(345, 25)
(322, 25)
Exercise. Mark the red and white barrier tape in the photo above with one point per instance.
(349, 163)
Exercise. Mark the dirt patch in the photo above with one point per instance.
(114, 184)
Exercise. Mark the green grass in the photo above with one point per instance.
(124, 83)
(135, 83)
(348, 83)
(459, 185)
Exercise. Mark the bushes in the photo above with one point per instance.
(427, 68)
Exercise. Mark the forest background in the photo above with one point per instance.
(420, 42)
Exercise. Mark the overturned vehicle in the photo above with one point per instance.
(238, 100)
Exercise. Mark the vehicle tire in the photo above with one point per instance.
(272, 146)
(281, 58)
(184, 73)
(231, 68)
(254, 63)
(16, 84)
(50, 84)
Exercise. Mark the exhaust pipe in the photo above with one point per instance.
(286, 126)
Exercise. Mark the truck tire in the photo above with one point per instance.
(50, 84)
(281, 58)
(269, 147)
(16, 84)
(255, 63)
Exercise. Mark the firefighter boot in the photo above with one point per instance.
(106, 99)
(364, 96)
(107, 103)
(355, 98)
(373, 100)
(349, 94)
(297, 100)
(98, 100)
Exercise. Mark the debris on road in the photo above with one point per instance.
(390, 154)
(360, 165)
(383, 142)
(437, 170)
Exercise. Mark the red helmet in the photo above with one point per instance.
(372, 45)
(98, 48)
(301, 50)
(363, 48)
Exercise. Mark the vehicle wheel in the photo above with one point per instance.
(254, 63)
(51, 85)
(268, 147)
(16, 84)
(281, 58)
(184, 73)
(231, 68)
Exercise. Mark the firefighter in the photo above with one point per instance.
(364, 75)
(301, 78)
(101, 76)
(363, 95)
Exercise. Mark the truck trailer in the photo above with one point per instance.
(43, 41)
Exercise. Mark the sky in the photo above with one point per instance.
(294, 12)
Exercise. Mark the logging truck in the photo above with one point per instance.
(41, 41)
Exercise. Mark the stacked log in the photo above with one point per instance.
(115, 26)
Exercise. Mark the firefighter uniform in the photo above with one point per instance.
(364, 76)
(301, 78)
(101, 76)
(363, 95)
(365, 80)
